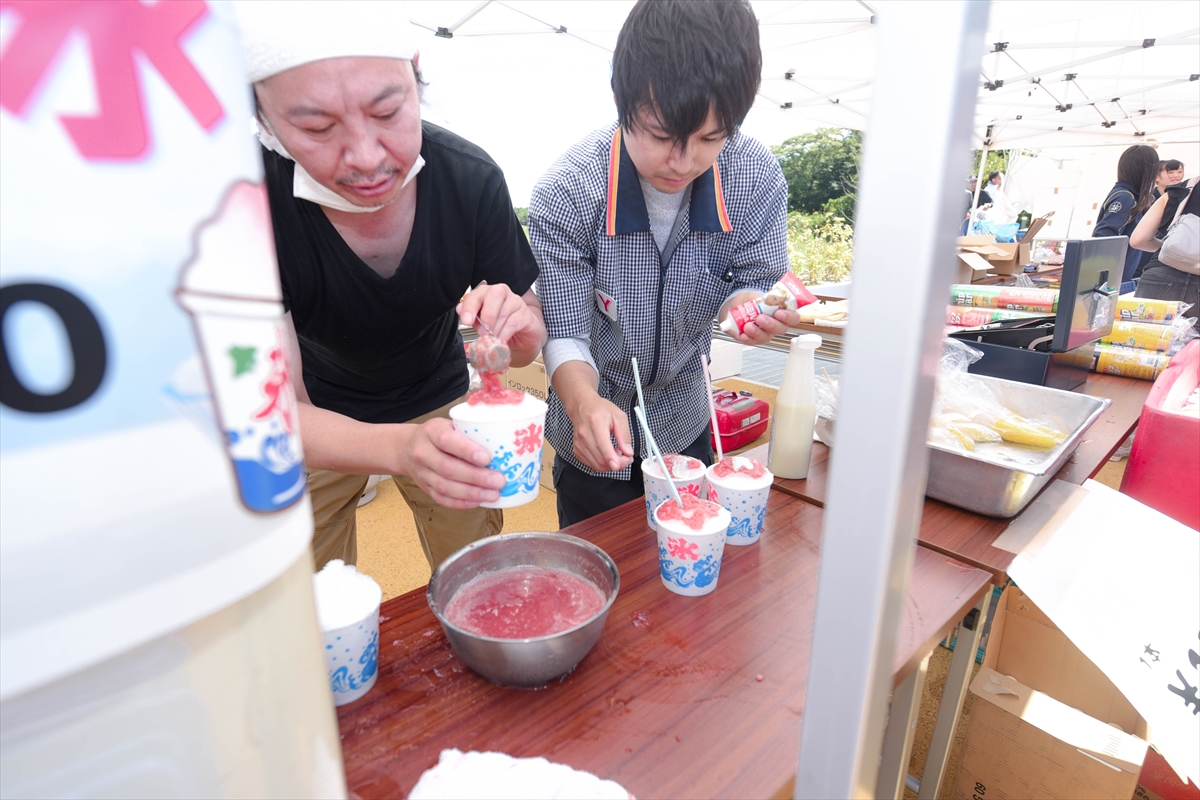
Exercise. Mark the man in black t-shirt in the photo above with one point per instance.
(374, 262)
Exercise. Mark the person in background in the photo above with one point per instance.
(1160, 281)
(1169, 173)
(645, 231)
(374, 261)
(1137, 170)
(999, 212)
(984, 200)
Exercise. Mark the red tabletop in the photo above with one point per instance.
(668, 703)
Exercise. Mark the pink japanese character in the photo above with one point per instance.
(528, 439)
(682, 548)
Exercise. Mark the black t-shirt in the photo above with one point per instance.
(387, 349)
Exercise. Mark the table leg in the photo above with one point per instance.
(897, 741)
(953, 695)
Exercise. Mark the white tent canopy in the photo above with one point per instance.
(525, 79)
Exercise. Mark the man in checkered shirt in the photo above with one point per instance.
(645, 232)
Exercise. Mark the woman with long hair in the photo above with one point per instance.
(1128, 200)
(1179, 280)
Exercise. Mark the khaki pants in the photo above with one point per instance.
(442, 531)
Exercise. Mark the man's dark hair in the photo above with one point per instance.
(683, 57)
(992, 176)
(1138, 167)
(1170, 166)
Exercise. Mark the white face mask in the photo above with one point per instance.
(306, 187)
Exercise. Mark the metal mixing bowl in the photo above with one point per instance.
(524, 662)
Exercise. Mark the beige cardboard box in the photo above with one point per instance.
(1045, 721)
(1005, 259)
(532, 380)
(971, 268)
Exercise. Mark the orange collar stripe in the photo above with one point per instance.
(614, 166)
(719, 196)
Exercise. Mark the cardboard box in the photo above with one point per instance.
(725, 359)
(1045, 722)
(972, 267)
(1005, 259)
(532, 380)
(1159, 781)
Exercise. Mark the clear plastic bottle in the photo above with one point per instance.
(795, 412)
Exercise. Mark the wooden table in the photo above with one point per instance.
(968, 537)
(840, 291)
(668, 703)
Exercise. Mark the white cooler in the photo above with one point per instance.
(158, 636)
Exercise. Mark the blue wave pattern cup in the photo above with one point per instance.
(348, 610)
(743, 496)
(657, 488)
(689, 559)
(513, 434)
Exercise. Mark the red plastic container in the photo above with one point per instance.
(741, 418)
(1164, 466)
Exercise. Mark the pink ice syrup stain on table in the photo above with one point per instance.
(694, 513)
(523, 603)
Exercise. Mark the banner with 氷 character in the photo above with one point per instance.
(148, 440)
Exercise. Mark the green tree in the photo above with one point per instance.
(522, 216)
(820, 247)
(820, 167)
(997, 161)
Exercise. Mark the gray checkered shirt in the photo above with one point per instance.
(602, 279)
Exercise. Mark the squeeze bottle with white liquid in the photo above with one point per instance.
(795, 412)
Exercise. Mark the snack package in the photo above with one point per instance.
(1152, 337)
(1015, 298)
(1142, 309)
(970, 317)
(786, 295)
(832, 314)
(1127, 363)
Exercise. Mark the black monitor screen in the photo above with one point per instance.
(1087, 298)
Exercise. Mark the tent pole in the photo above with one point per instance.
(877, 476)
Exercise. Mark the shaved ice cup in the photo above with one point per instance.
(689, 561)
(348, 612)
(657, 489)
(747, 506)
(515, 444)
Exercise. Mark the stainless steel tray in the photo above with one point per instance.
(999, 480)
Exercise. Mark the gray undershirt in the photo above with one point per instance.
(663, 208)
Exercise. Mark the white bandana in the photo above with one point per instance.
(278, 35)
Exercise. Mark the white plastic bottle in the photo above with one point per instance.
(795, 412)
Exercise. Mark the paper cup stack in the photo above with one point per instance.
(348, 610)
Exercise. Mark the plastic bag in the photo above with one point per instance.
(1005, 232)
(965, 411)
